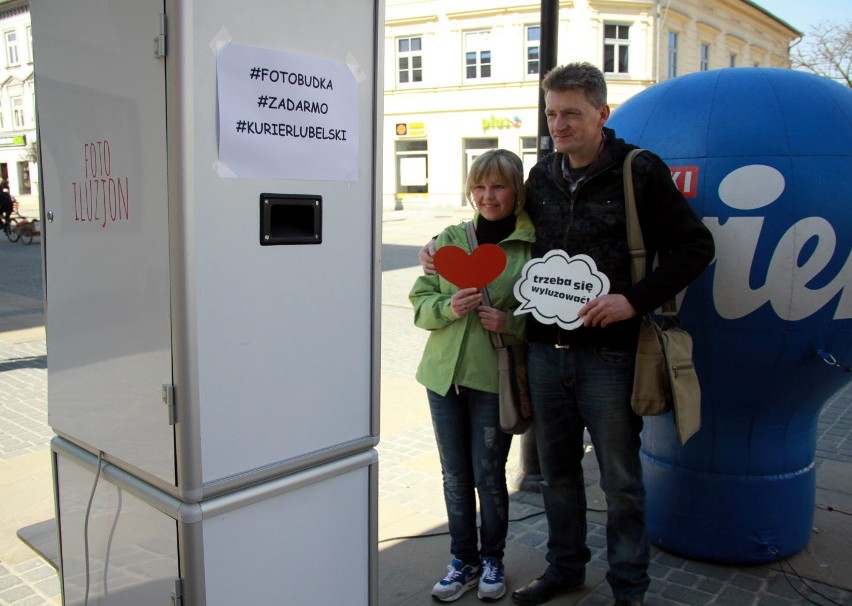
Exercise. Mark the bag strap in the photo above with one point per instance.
(635, 242)
(473, 242)
(634, 232)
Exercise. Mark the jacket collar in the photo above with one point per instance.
(524, 228)
(613, 150)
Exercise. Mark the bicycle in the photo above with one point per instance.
(10, 224)
(25, 230)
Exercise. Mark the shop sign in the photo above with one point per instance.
(494, 122)
(411, 129)
(13, 140)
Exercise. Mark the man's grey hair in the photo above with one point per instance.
(577, 76)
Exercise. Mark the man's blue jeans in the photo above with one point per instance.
(579, 388)
(473, 454)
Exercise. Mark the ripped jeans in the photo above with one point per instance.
(473, 453)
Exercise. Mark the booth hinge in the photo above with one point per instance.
(177, 594)
(169, 401)
(160, 40)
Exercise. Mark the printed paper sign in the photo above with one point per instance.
(555, 287)
(285, 115)
(476, 270)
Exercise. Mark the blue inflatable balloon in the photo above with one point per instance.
(765, 158)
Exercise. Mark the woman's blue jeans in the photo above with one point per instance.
(473, 453)
(579, 388)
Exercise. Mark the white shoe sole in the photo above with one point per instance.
(470, 585)
(491, 597)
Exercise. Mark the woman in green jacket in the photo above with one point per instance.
(459, 371)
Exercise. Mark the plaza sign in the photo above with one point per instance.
(493, 122)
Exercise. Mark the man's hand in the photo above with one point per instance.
(605, 310)
(426, 256)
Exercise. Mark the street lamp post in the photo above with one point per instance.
(530, 469)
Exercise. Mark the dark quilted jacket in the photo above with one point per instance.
(592, 222)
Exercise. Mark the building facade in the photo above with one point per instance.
(18, 159)
(463, 77)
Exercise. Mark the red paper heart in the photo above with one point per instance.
(470, 271)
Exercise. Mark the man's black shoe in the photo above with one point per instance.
(541, 590)
(629, 603)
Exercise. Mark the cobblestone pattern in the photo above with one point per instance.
(30, 583)
(20, 272)
(834, 428)
(23, 396)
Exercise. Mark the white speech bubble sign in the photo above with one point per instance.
(556, 286)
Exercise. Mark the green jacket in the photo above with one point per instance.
(459, 350)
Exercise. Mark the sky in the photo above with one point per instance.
(802, 14)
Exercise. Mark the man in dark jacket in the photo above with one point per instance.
(7, 203)
(583, 378)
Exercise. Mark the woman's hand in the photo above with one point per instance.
(492, 319)
(465, 301)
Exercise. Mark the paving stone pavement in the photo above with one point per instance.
(25, 578)
(409, 472)
(30, 583)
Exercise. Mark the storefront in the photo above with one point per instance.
(17, 168)
(427, 158)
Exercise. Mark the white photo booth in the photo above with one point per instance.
(211, 240)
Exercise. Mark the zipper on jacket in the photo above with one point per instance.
(572, 198)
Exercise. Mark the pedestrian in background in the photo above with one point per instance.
(7, 203)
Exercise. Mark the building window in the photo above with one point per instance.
(477, 54)
(473, 148)
(409, 60)
(29, 44)
(732, 60)
(705, 57)
(24, 184)
(672, 54)
(412, 168)
(533, 46)
(12, 48)
(2, 118)
(529, 153)
(616, 48)
(17, 111)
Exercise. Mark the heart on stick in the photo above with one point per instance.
(475, 270)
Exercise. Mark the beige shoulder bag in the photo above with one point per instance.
(664, 378)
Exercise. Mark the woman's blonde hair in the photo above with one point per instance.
(499, 165)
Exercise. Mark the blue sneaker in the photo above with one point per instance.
(492, 582)
(460, 577)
